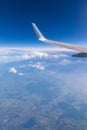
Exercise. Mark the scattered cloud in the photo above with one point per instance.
(22, 54)
(32, 55)
(59, 55)
(40, 54)
(9, 55)
(27, 56)
(21, 74)
(81, 61)
(37, 65)
(13, 70)
(70, 61)
(65, 62)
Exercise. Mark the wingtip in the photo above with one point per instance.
(33, 23)
(38, 33)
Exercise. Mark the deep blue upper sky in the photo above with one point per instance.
(64, 20)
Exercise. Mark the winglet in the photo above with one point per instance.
(38, 33)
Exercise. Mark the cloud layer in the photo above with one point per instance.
(38, 59)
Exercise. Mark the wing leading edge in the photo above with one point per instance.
(82, 49)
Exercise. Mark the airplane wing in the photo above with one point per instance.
(81, 49)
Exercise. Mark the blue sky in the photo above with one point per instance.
(63, 20)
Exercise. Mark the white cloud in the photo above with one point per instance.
(75, 61)
(81, 62)
(37, 65)
(41, 54)
(59, 55)
(34, 55)
(27, 56)
(65, 62)
(13, 70)
(19, 54)
(21, 74)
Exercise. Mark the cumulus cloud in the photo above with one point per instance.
(81, 62)
(59, 55)
(70, 61)
(32, 55)
(19, 54)
(41, 54)
(37, 66)
(65, 62)
(9, 55)
(13, 70)
(21, 74)
(27, 56)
